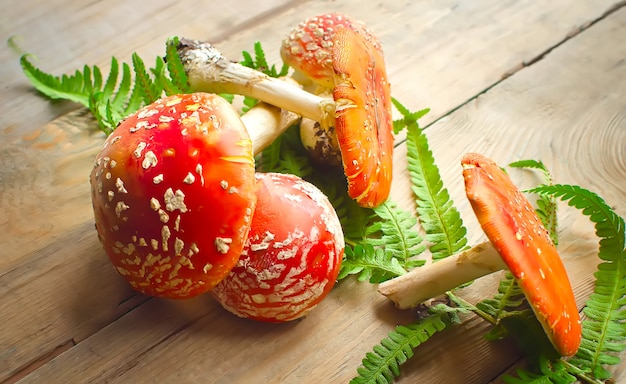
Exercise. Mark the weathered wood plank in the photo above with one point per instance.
(61, 269)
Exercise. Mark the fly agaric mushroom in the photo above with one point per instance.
(308, 49)
(173, 194)
(520, 239)
(366, 155)
(292, 254)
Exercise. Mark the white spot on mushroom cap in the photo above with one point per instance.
(199, 172)
(149, 160)
(175, 200)
(154, 204)
(189, 179)
(222, 244)
(165, 234)
(119, 208)
(139, 150)
(163, 216)
(120, 186)
(263, 244)
(158, 179)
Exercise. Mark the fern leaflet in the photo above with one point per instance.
(604, 330)
(398, 234)
(510, 297)
(368, 263)
(438, 217)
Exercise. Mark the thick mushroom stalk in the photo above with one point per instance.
(421, 284)
(518, 236)
(209, 71)
(265, 122)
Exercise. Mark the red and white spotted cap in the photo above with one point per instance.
(173, 194)
(292, 255)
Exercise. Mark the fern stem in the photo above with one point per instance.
(580, 374)
(471, 307)
(209, 71)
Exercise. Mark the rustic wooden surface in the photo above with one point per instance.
(512, 80)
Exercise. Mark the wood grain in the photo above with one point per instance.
(57, 289)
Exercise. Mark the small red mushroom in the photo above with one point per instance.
(173, 194)
(292, 254)
(518, 241)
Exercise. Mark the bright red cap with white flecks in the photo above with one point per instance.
(292, 255)
(513, 227)
(173, 194)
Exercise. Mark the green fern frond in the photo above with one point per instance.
(604, 330)
(438, 217)
(399, 234)
(368, 263)
(382, 364)
(408, 118)
(175, 67)
(66, 87)
(108, 104)
(546, 205)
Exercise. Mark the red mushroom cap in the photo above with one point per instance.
(363, 119)
(292, 255)
(512, 225)
(308, 47)
(173, 194)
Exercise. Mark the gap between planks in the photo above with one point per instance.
(525, 64)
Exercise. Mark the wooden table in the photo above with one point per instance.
(541, 80)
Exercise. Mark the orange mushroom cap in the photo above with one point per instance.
(173, 194)
(363, 119)
(308, 47)
(512, 225)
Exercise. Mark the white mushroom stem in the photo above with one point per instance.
(421, 284)
(265, 123)
(209, 71)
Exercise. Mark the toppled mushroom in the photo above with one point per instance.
(209, 71)
(173, 193)
(519, 238)
(292, 254)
